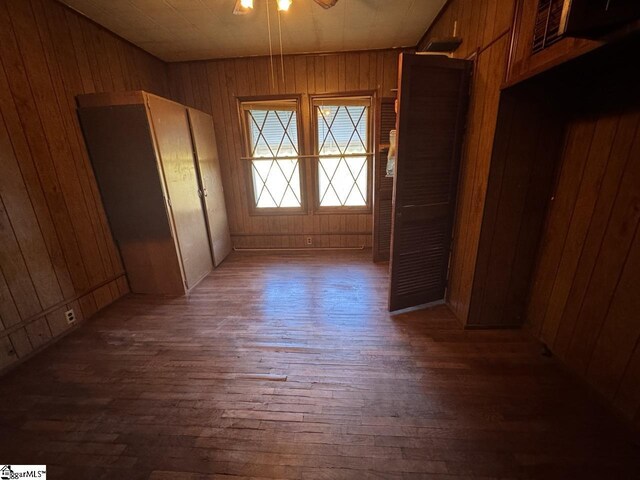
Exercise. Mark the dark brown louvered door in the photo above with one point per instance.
(432, 109)
(383, 192)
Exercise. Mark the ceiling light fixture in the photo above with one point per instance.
(242, 7)
(283, 5)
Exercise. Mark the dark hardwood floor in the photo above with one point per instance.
(289, 366)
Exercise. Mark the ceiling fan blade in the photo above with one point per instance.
(326, 3)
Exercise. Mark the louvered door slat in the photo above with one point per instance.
(432, 109)
(384, 186)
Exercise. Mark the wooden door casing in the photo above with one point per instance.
(432, 105)
(173, 139)
(204, 142)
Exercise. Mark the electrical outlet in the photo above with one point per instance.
(70, 316)
(309, 241)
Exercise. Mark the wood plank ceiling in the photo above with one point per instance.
(179, 30)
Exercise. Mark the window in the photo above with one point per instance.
(339, 153)
(343, 146)
(271, 135)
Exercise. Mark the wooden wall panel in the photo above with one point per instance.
(478, 22)
(484, 26)
(57, 250)
(584, 299)
(213, 86)
(582, 295)
(527, 147)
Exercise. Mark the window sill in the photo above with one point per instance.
(342, 210)
(276, 212)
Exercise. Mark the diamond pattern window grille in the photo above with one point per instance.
(342, 174)
(273, 134)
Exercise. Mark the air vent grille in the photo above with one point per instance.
(548, 27)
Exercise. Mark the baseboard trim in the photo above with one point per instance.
(20, 360)
(23, 323)
(294, 249)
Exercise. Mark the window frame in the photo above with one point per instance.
(346, 98)
(246, 152)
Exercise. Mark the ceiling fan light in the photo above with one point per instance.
(246, 3)
(283, 5)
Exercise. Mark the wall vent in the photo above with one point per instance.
(549, 26)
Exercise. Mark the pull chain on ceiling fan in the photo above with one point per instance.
(243, 7)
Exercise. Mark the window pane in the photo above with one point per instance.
(342, 131)
(273, 134)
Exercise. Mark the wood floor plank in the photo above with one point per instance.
(289, 367)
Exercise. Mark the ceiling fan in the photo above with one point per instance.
(242, 7)
(326, 3)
